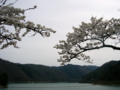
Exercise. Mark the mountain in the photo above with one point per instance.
(39, 73)
(13, 72)
(76, 72)
(31, 73)
(112, 74)
(43, 73)
(107, 73)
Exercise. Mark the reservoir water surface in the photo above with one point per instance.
(58, 86)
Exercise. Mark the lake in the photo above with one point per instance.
(58, 86)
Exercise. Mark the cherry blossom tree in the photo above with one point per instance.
(89, 36)
(15, 17)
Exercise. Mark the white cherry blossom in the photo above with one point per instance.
(11, 16)
(89, 36)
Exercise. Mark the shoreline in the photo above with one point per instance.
(110, 83)
(3, 86)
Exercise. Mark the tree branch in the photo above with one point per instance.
(108, 46)
(3, 3)
(90, 36)
(113, 47)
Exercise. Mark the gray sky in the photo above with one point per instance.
(60, 15)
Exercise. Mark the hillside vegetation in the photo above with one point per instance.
(76, 72)
(109, 73)
(40, 73)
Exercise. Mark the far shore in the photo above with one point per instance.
(110, 83)
(3, 86)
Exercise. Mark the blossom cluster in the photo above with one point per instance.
(88, 36)
(11, 16)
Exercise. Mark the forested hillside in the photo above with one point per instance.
(31, 73)
(76, 72)
(40, 73)
(107, 73)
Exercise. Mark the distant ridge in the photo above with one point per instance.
(76, 72)
(31, 73)
(40, 73)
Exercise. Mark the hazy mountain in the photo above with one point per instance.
(76, 72)
(108, 72)
(14, 73)
(40, 73)
(31, 73)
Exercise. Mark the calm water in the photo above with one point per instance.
(59, 86)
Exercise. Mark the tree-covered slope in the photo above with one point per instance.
(76, 72)
(112, 74)
(31, 73)
(13, 72)
(40, 73)
(110, 71)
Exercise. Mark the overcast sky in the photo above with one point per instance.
(60, 15)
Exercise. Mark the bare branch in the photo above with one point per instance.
(3, 2)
